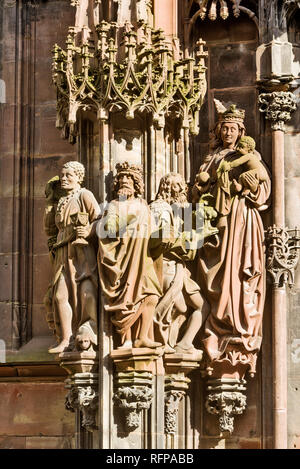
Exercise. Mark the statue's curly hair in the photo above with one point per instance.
(78, 169)
(249, 141)
(164, 190)
(135, 172)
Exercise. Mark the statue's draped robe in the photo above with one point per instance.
(127, 274)
(232, 269)
(76, 263)
(175, 278)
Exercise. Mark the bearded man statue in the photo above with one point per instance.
(128, 280)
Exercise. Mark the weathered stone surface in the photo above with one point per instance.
(39, 323)
(228, 31)
(246, 425)
(229, 443)
(41, 277)
(8, 189)
(50, 442)
(6, 275)
(7, 229)
(232, 65)
(12, 442)
(34, 409)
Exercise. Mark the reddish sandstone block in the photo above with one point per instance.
(6, 277)
(233, 66)
(34, 409)
(53, 442)
(250, 444)
(39, 323)
(6, 223)
(12, 442)
(41, 277)
(48, 139)
(230, 31)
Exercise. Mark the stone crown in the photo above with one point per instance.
(232, 114)
(126, 168)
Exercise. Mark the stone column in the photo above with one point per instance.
(137, 389)
(82, 386)
(278, 106)
(177, 367)
(165, 14)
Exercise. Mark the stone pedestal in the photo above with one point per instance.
(177, 367)
(226, 385)
(133, 382)
(82, 386)
(225, 399)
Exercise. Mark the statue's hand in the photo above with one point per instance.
(237, 186)
(251, 182)
(83, 231)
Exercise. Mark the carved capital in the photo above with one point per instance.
(282, 254)
(226, 399)
(133, 381)
(278, 107)
(172, 399)
(83, 396)
(177, 366)
(133, 399)
(82, 385)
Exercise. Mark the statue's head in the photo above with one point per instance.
(246, 145)
(72, 175)
(230, 126)
(128, 182)
(172, 189)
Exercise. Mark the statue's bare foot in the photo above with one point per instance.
(60, 347)
(138, 343)
(182, 348)
(169, 349)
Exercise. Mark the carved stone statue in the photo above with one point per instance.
(133, 11)
(75, 277)
(127, 276)
(53, 192)
(232, 270)
(255, 170)
(179, 290)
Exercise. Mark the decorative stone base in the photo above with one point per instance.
(82, 385)
(226, 398)
(177, 366)
(79, 362)
(133, 382)
(83, 396)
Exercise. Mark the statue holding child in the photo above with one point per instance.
(232, 269)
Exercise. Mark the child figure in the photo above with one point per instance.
(246, 147)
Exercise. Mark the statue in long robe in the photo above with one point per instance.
(232, 270)
(75, 276)
(127, 276)
(172, 259)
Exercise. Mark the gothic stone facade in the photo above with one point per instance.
(243, 52)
